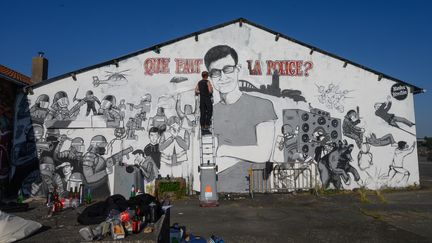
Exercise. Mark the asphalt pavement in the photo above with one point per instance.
(354, 216)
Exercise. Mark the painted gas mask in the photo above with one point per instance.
(106, 104)
(63, 102)
(77, 145)
(97, 145)
(44, 104)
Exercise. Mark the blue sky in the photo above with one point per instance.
(393, 37)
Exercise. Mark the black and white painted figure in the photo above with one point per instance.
(352, 130)
(289, 142)
(188, 116)
(71, 179)
(288, 139)
(90, 100)
(144, 108)
(350, 127)
(397, 166)
(335, 166)
(38, 133)
(122, 108)
(152, 149)
(59, 108)
(146, 165)
(48, 147)
(382, 111)
(117, 143)
(110, 112)
(382, 141)
(159, 120)
(174, 144)
(364, 157)
(95, 168)
(50, 179)
(131, 128)
(39, 111)
(74, 155)
(324, 145)
(242, 123)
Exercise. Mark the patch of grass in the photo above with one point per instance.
(363, 195)
(381, 197)
(322, 191)
(414, 187)
(372, 214)
(171, 188)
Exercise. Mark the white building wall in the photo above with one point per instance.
(329, 86)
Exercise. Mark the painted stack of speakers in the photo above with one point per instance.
(309, 124)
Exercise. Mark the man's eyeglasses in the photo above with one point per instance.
(217, 73)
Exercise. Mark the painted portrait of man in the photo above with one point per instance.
(243, 123)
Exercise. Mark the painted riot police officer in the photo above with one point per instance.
(110, 112)
(39, 111)
(95, 169)
(74, 154)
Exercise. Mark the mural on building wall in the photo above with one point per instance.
(382, 111)
(396, 169)
(174, 143)
(335, 165)
(112, 79)
(309, 124)
(240, 120)
(352, 130)
(332, 96)
(146, 165)
(7, 100)
(273, 88)
(143, 112)
(236, 120)
(39, 111)
(90, 100)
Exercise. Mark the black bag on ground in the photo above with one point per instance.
(98, 212)
(143, 201)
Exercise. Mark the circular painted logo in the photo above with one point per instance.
(399, 91)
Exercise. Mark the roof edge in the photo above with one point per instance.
(114, 61)
(14, 81)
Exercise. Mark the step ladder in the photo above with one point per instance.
(207, 149)
(208, 169)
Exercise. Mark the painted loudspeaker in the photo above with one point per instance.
(300, 129)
